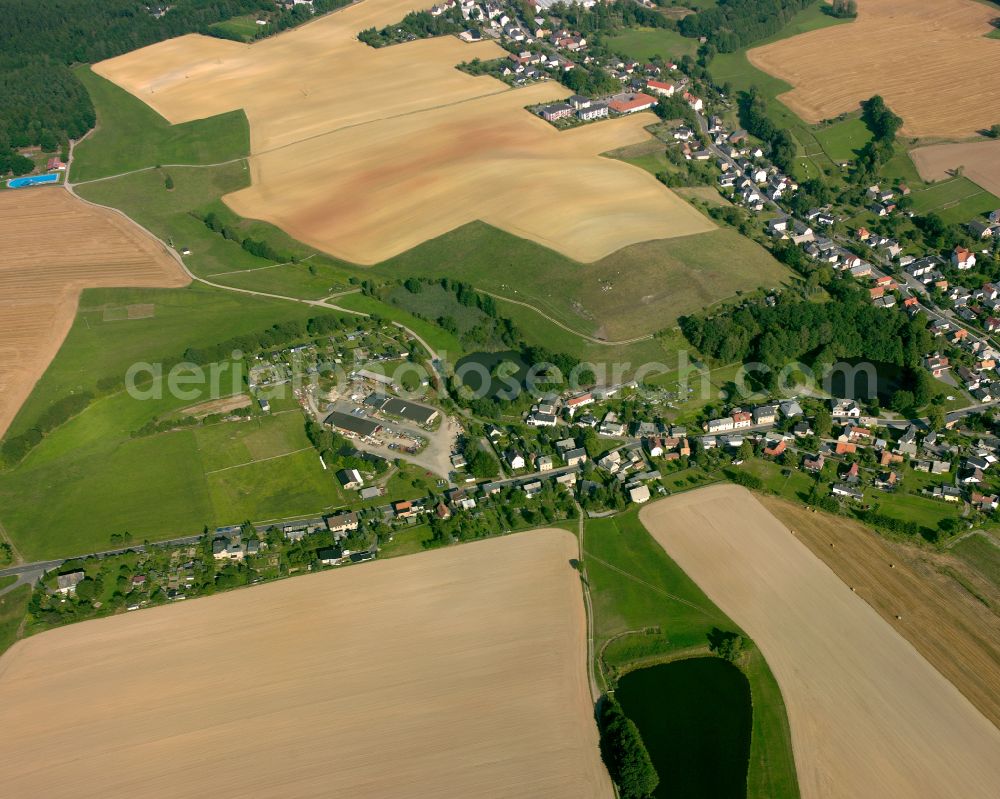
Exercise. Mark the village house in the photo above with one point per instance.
(984, 503)
(639, 494)
(844, 490)
(696, 103)
(343, 522)
(887, 480)
(814, 464)
(845, 408)
(776, 449)
(611, 427)
(660, 87)
(67, 583)
(946, 493)
(514, 460)
(962, 258)
(907, 443)
(350, 479)
(575, 457)
(936, 364)
(404, 509)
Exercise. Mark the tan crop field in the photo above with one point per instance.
(870, 718)
(52, 246)
(980, 162)
(454, 673)
(365, 152)
(931, 62)
(955, 630)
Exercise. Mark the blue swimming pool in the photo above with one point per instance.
(33, 180)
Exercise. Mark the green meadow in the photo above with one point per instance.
(131, 135)
(635, 586)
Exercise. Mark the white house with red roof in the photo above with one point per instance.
(963, 258)
(695, 102)
(662, 87)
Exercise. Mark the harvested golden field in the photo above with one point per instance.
(53, 245)
(454, 673)
(954, 630)
(365, 152)
(869, 716)
(980, 162)
(931, 62)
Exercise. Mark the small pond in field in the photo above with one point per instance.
(695, 718)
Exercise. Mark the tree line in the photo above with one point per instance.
(753, 116)
(734, 24)
(257, 247)
(817, 333)
(624, 753)
(415, 25)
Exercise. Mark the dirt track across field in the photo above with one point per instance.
(365, 152)
(931, 61)
(870, 717)
(454, 673)
(980, 162)
(52, 246)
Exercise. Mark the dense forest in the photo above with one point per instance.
(733, 24)
(41, 101)
(814, 333)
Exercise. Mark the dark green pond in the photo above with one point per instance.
(695, 717)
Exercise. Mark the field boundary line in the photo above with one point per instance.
(259, 460)
(568, 329)
(650, 586)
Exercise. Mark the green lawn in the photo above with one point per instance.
(244, 27)
(407, 541)
(841, 140)
(954, 200)
(644, 43)
(90, 478)
(150, 487)
(654, 592)
(165, 485)
(130, 135)
(227, 445)
(13, 606)
(982, 555)
(292, 485)
(639, 289)
(96, 348)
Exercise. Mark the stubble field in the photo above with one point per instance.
(979, 161)
(869, 716)
(928, 60)
(956, 631)
(52, 246)
(399, 146)
(454, 673)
